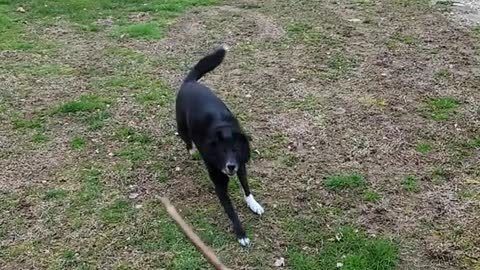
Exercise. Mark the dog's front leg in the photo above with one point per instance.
(249, 199)
(220, 181)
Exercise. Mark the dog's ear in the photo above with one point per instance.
(224, 134)
(245, 146)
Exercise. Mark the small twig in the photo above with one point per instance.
(204, 249)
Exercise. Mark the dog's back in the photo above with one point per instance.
(195, 100)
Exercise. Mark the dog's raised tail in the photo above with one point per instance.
(207, 64)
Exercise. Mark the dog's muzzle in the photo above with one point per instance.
(230, 169)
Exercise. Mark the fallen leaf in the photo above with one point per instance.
(280, 262)
(133, 195)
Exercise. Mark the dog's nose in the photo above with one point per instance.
(231, 167)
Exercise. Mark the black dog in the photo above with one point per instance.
(202, 118)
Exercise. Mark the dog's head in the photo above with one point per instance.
(229, 149)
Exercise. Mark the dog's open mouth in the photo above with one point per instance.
(229, 173)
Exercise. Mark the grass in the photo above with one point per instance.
(22, 123)
(339, 182)
(11, 32)
(158, 97)
(78, 143)
(424, 148)
(87, 103)
(396, 39)
(371, 196)
(143, 31)
(157, 233)
(131, 135)
(96, 120)
(117, 212)
(442, 107)
(89, 109)
(91, 189)
(349, 249)
(303, 231)
(307, 34)
(136, 154)
(56, 194)
(339, 65)
(39, 136)
(93, 10)
(160, 172)
(410, 184)
(474, 143)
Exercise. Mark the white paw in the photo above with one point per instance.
(244, 242)
(254, 205)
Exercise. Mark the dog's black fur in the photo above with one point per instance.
(202, 118)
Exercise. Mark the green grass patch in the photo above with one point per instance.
(69, 258)
(134, 153)
(129, 134)
(78, 143)
(309, 104)
(442, 107)
(339, 65)
(87, 103)
(117, 212)
(160, 172)
(160, 96)
(89, 109)
(424, 148)
(46, 70)
(85, 14)
(22, 123)
(371, 196)
(304, 231)
(56, 194)
(156, 232)
(474, 143)
(338, 182)
(142, 31)
(410, 184)
(91, 189)
(396, 39)
(127, 82)
(197, 155)
(39, 136)
(12, 35)
(349, 249)
(97, 120)
(309, 35)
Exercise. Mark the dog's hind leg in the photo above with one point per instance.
(182, 130)
(220, 181)
(249, 199)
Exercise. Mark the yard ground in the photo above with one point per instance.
(365, 119)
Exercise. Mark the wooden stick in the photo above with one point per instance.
(204, 249)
